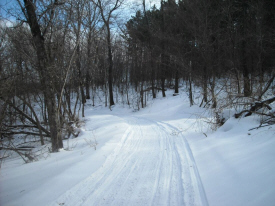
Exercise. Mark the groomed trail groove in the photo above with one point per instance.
(152, 165)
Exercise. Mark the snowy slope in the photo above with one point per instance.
(236, 165)
(157, 156)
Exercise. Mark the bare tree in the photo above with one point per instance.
(44, 66)
(107, 9)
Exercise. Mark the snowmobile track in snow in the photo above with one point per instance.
(152, 165)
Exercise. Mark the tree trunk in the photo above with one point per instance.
(246, 80)
(45, 76)
(87, 85)
(177, 82)
(190, 85)
(110, 71)
(214, 99)
(88, 78)
(204, 84)
(163, 87)
(164, 57)
(163, 70)
(152, 76)
(80, 81)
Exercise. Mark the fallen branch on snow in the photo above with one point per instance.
(256, 106)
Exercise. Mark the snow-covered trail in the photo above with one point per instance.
(144, 158)
(151, 165)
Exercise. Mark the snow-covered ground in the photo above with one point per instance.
(164, 154)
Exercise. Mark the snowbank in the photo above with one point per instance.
(236, 166)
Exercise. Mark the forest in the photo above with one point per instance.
(57, 54)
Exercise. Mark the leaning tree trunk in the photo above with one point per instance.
(45, 76)
(80, 81)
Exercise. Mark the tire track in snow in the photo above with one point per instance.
(192, 161)
(149, 167)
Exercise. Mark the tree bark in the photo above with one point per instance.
(246, 80)
(110, 71)
(45, 76)
(177, 82)
(205, 93)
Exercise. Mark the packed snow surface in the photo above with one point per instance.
(164, 154)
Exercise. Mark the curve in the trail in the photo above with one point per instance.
(150, 166)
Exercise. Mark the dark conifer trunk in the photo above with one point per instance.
(177, 81)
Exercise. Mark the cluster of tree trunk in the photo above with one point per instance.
(204, 41)
(59, 53)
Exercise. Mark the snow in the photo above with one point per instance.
(164, 154)
(236, 165)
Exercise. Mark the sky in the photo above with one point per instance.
(130, 5)
(6, 7)
(129, 8)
